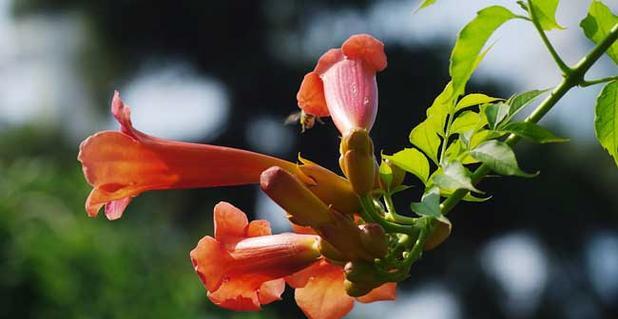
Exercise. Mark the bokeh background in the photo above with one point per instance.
(226, 72)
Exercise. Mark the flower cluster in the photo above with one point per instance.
(342, 249)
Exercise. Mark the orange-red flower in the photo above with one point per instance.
(343, 84)
(122, 165)
(320, 291)
(243, 266)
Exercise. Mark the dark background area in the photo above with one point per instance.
(541, 248)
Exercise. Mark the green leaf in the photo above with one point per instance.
(411, 160)
(474, 199)
(452, 177)
(470, 42)
(518, 102)
(467, 121)
(606, 119)
(386, 173)
(425, 137)
(597, 25)
(496, 113)
(469, 197)
(545, 12)
(429, 205)
(400, 188)
(481, 136)
(441, 107)
(425, 4)
(474, 99)
(500, 158)
(454, 149)
(533, 132)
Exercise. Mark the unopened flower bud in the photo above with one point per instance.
(374, 239)
(356, 289)
(360, 271)
(358, 161)
(361, 277)
(331, 253)
(331, 188)
(293, 196)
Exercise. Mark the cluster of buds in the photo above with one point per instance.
(343, 248)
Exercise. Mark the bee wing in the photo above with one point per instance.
(293, 118)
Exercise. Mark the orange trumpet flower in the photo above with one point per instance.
(243, 266)
(122, 165)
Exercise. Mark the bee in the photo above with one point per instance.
(306, 121)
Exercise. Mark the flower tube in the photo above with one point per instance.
(122, 165)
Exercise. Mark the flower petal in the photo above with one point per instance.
(114, 209)
(367, 48)
(331, 188)
(124, 164)
(387, 291)
(230, 223)
(310, 96)
(302, 229)
(300, 278)
(202, 256)
(239, 294)
(324, 295)
(122, 114)
(327, 60)
(271, 291)
(258, 227)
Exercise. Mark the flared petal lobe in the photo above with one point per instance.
(310, 96)
(243, 266)
(121, 165)
(320, 291)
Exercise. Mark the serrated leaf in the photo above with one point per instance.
(499, 157)
(597, 25)
(467, 121)
(474, 99)
(606, 119)
(452, 177)
(429, 204)
(518, 102)
(411, 160)
(425, 137)
(533, 132)
(495, 113)
(545, 11)
(470, 42)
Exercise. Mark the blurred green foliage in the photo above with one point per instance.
(56, 262)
